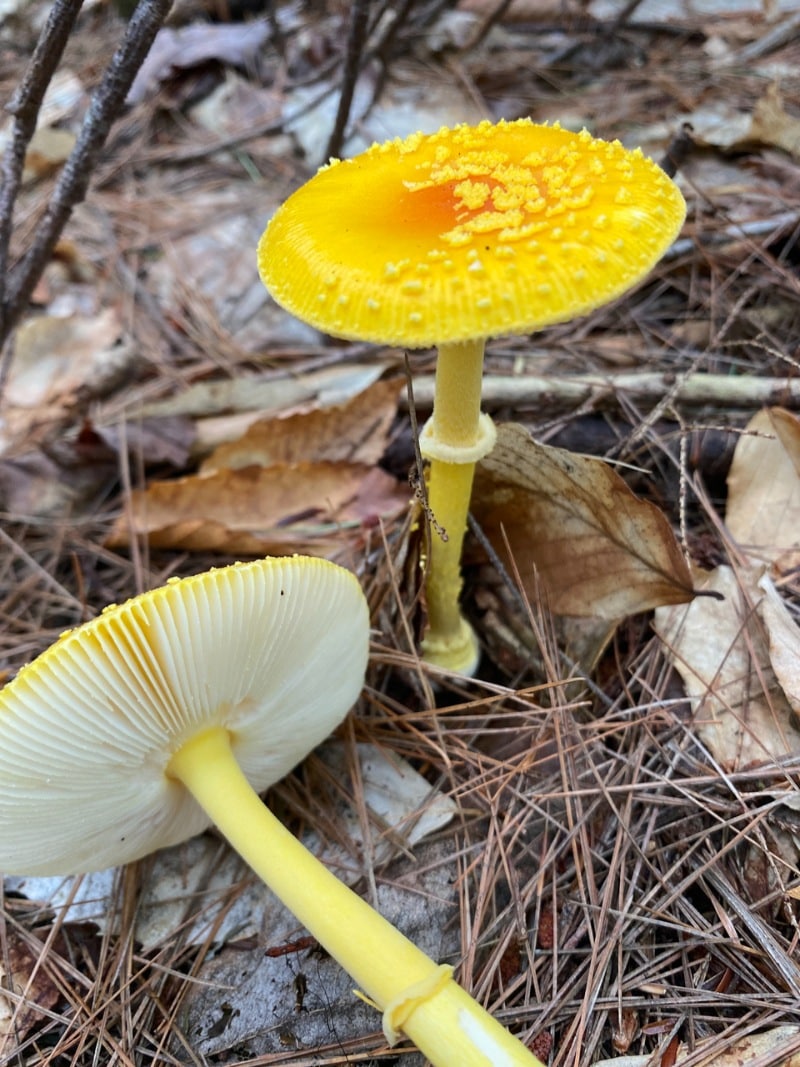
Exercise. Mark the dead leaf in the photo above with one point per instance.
(783, 636)
(237, 44)
(354, 432)
(772, 125)
(571, 520)
(254, 510)
(49, 147)
(27, 981)
(721, 650)
(764, 1047)
(721, 125)
(763, 510)
(59, 363)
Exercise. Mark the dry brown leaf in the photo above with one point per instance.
(720, 648)
(763, 510)
(354, 432)
(26, 980)
(571, 519)
(783, 636)
(283, 508)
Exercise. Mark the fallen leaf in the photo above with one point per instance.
(403, 810)
(773, 125)
(224, 408)
(763, 510)
(571, 522)
(59, 363)
(237, 44)
(721, 649)
(48, 148)
(783, 637)
(20, 973)
(254, 510)
(729, 128)
(353, 432)
(765, 1047)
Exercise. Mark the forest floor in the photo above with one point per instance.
(600, 831)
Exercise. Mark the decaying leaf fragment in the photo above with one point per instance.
(292, 484)
(739, 657)
(763, 510)
(775, 1046)
(353, 432)
(253, 510)
(59, 363)
(721, 649)
(33, 993)
(573, 524)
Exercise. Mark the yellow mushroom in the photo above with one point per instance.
(450, 238)
(173, 711)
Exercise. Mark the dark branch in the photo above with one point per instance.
(359, 18)
(106, 105)
(24, 106)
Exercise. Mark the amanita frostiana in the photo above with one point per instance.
(170, 712)
(450, 238)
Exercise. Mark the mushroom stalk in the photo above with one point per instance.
(454, 439)
(415, 995)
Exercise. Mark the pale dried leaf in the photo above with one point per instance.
(783, 636)
(235, 43)
(217, 403)
(763, 510)
(403, 808)
(49, 147)
(573, 522)
(353, 432)
(764, 1047)
(54, 356)
(285, 508)
(773, 125)
(59, 363)
(720, 649)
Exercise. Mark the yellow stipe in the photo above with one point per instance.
(445, 1023)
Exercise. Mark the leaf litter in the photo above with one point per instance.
(613, 885)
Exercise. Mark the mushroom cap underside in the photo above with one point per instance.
(469, 232)
(274, 651)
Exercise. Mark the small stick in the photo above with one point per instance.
(359, 18)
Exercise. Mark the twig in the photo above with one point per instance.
(719, 390)
(24, 106)
(70, 190)
(359, 18)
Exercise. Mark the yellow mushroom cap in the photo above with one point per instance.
(273, 651)
(469, 232)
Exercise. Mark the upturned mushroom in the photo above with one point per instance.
(451, 238)
(171, 712)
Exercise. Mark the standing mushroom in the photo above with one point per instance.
(170, 712)
(447, 239)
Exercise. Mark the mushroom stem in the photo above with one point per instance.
(415, 994)
(456, 437)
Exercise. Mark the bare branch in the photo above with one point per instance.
(107, 103)
(24, 106)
